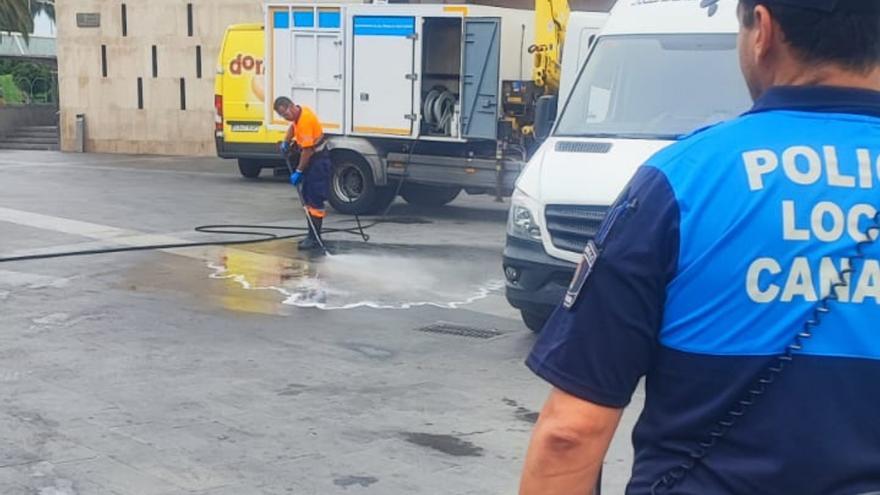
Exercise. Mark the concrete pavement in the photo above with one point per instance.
(391, 368)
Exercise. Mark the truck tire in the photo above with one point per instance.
(423, 195)
(250, 169)
(534, 320)
(352, 188)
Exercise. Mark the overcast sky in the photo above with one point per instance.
(43, 26)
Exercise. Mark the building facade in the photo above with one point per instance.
(141, 72)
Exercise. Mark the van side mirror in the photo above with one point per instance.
(545, 116)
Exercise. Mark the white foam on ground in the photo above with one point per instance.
(352, 281)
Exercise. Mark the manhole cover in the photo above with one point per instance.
(460, 331)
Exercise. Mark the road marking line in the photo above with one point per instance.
(62, 225)
(111, 237)
(108, 168)
(9, 278)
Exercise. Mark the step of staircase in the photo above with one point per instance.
(31, 138)
(28, 146)
(29, 133)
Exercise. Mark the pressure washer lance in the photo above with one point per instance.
(302, 201)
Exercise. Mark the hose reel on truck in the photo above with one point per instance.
(438, 110)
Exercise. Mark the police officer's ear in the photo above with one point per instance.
(763, 33)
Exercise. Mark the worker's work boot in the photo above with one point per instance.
(311, 242)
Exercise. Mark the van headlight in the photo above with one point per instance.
(521, 223)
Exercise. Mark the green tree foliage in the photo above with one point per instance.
(31, 79)
(17, 16)
(9, 92)
(27, 75)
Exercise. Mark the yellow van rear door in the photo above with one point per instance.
(243, 93)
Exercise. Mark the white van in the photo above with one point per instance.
(657, 71)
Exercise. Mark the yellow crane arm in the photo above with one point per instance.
(551, 19)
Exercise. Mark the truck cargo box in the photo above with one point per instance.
(400, 71)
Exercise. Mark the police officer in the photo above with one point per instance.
(314, 167)
(719, 251)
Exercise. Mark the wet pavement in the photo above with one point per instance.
(389, 367)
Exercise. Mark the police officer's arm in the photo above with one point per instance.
(595, 349)
(568, 446)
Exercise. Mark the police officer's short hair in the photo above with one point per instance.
(848, 38)
(282, 102)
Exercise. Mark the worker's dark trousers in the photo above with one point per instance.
(316, 187)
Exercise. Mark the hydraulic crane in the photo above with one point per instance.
(520, 97)
(551, 20)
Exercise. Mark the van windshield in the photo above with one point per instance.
(655, 87)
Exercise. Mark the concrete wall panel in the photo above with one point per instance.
(114, 122)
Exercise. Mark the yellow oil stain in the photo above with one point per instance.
(253, 270)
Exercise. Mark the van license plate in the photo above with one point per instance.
(245, 128)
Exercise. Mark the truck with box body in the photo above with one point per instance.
(403, 91)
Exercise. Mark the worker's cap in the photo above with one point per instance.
(856, 6)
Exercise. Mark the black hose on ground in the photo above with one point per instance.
(250, 230)
(240, 229)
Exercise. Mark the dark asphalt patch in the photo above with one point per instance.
(292, 390)
(521, 413)
(448, 444)
(362, 481)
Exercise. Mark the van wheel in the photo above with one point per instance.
(250, 169)
(352, 188)
(423, 195)
(534, 320)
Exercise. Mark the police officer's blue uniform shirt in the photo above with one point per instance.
(722, 245)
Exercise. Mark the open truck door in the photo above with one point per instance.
(482, 51)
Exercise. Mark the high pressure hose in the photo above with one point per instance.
(260, 232)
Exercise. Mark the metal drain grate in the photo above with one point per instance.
(444, 328)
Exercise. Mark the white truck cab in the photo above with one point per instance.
(657, 71)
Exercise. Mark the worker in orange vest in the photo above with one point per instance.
(314, 167)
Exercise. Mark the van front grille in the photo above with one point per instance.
(571, 227)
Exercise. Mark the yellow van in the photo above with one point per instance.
(240, 102)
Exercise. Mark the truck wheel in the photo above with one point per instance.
(249, 169)
(423, 195)
(534, 320)
(353, 190)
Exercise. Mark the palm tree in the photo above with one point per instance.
(47, 6)
(16, 17)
